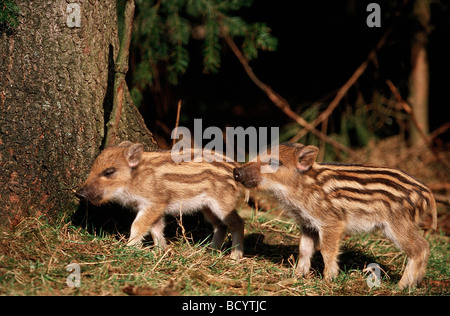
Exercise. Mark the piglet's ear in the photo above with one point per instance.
(125, 144)
(133, 154)
(305, 157)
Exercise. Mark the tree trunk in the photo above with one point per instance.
(56, 92)
(419, 76)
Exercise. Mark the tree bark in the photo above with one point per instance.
(120, 69)
(419, 76)
(56, 91)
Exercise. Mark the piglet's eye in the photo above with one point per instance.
(108, 171)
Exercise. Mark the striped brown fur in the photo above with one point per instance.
(154, 185)
(329, 199)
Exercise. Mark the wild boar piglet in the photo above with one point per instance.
(153, 184)
(327, 200)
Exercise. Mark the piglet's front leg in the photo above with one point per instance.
(148, 221)
(308, 242)
(330, 237)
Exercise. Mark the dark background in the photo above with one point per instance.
(320, 44)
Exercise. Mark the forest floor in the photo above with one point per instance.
(34, 258)
(35, 254)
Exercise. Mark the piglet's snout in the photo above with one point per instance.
(81, 193)
(245, 176)
(238, 174)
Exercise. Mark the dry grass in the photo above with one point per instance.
(34, 257)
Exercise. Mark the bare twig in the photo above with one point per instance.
(408, 109)
(169, 250)
(442, 199)
(180, 223)
(176, 123)
(321, 154)
(344, 89)
(440, 130)
(440, 186)
(280, 102)
(120, 68)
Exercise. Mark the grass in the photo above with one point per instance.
(34, 257)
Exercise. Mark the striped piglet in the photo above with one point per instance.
(153, 184)
(327, 200)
